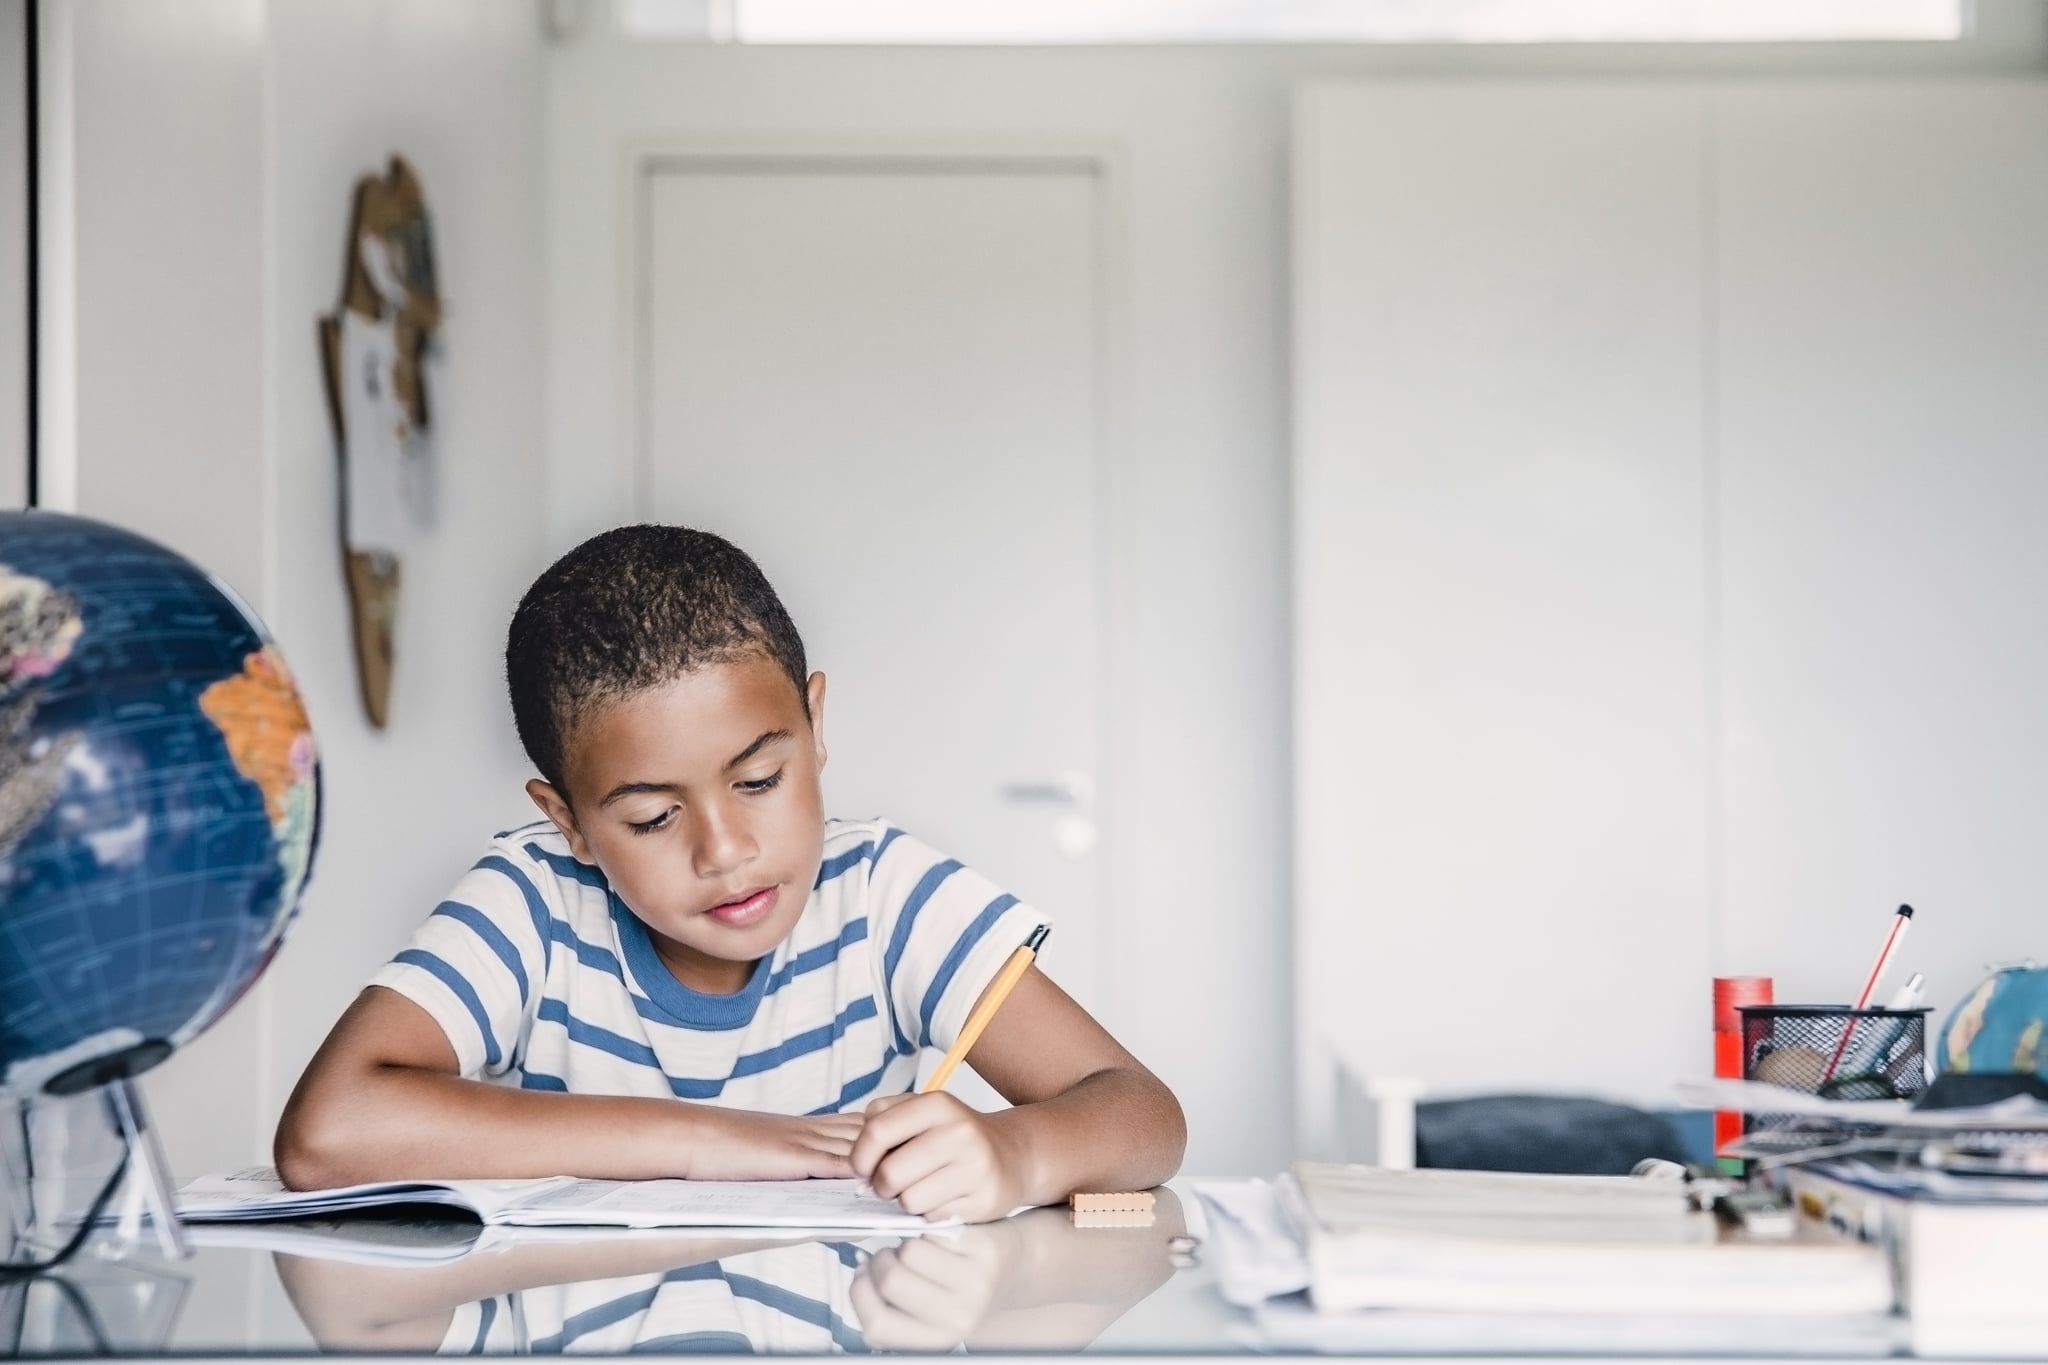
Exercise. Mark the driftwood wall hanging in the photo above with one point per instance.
(374, 349)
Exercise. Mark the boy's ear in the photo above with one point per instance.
(814, 692)
(556, 807)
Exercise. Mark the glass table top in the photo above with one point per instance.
(414, 1282)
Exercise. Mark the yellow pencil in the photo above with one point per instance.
(985, 1008)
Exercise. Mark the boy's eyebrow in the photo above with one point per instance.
(633, 789)
(766, 738)
(761, 742)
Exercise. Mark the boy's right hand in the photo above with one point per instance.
(737, 1144)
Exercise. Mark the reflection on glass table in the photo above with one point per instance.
(95, 1307)
(417, 1283)
(1034, 1281)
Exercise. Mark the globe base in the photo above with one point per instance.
(42, 1223)
(126, 1064)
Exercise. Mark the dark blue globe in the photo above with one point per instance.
(159, 802)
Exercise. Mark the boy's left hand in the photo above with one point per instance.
(939, 1158)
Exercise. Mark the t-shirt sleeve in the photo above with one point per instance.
(478, 963)
(944, 932)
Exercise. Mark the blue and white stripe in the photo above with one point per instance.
(542, 978)
(778, 1301)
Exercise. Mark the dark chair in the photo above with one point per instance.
(1549, 1134)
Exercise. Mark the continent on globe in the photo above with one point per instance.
(270, 741)
(38, 625)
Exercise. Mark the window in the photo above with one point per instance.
(1283, 21)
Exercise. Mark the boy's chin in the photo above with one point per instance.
(740, 942)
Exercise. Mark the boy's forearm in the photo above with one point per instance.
(354, 1301)
(393, 1122)
(1118, 1129)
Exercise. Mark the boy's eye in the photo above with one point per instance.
(650, 826)
(761, 784)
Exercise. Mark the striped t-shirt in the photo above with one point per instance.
(542, 978)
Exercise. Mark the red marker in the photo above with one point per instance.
(1900, 920)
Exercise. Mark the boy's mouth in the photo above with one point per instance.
(745, 910)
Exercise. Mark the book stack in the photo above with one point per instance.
(1490, 1242)
(1956, 1196)
(1340, 1257)
(1967, 1250)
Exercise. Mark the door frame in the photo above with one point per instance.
(1118, 700)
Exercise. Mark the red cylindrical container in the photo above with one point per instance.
(1730, 994)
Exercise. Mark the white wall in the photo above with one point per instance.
(13, 255)
(1667, 504)
(1879, 350)
(1203, 814)
(1500, 665)
(454, 85)
(156, 327)
(212, 152)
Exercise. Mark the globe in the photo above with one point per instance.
(159, 802)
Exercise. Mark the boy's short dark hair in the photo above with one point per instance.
(632, 608)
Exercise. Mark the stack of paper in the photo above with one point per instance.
(1499, 1205)
(1447, 1242)
(2020, 1113)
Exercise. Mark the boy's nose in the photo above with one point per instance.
(723, 842)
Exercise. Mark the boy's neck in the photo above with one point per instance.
(703, 974)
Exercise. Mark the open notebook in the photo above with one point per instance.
(566, 1201)
(412, 1235)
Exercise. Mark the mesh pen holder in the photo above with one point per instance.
(1834, 1052)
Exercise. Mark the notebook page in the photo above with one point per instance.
(819, 1204)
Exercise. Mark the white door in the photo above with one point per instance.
(881, 377)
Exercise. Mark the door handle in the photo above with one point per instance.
(1070, 788)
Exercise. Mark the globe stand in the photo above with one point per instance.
(59, 1138)
(146, 1186)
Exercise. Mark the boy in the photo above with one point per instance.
(686, 970)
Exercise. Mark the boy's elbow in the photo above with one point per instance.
(309, 1146)
(1174, 1133)
(1167, 1126)
(300, 1164)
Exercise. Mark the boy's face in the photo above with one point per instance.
(700, 802)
